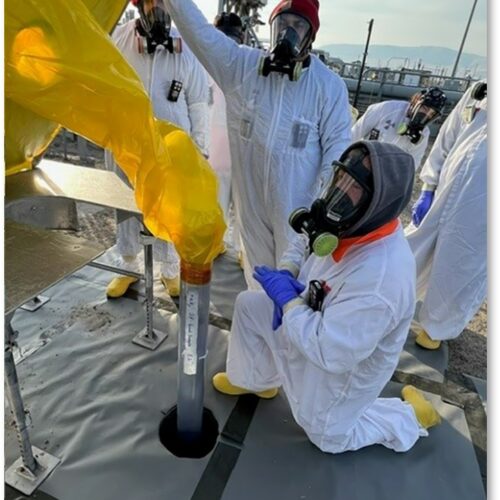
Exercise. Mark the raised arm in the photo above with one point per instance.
(223, 58)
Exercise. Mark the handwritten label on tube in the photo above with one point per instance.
(191, 333)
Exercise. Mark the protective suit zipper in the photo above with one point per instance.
(277, 112)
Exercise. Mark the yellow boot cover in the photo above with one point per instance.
(222, 384)
(426, 414)
(118, 286)
(423, 340)
(62, 68)
(172, 285)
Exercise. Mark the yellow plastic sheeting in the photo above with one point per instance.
(62, 66)
(24, 143)
(27, 135)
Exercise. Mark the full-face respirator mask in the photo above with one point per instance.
(153, 27)
(340, 206)
(291, 37)
(425, 107)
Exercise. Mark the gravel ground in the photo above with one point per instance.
(467, 353)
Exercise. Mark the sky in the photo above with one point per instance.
(396, 22)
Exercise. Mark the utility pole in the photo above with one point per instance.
(463, 40)
(370, 26)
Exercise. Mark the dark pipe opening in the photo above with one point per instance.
(188, 446)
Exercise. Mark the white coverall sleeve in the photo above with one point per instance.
(364, 124)
(221, 56)
(444, 142)
(334, 131)
(341, 336)
(197, 102)
(295, 255)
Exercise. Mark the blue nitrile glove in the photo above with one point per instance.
(280, 286)
(286, 272)
(421, 207)
(264, 269)
(277, 317)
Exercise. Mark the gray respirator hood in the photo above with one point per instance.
(393, 175)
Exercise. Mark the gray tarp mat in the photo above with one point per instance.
(427, 364)
(481, 387)
(95, 400)
(285, 465)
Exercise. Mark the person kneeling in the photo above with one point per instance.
(334, 344)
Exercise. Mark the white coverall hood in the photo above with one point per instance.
(393, 173)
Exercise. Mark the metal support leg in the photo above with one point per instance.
(34, 465)
(35, 304)
(149, 337)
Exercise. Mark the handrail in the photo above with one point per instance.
(405, 77)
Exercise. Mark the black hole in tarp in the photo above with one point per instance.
(188, 448)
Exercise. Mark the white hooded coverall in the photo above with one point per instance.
(380, 122)
(333, 363)
(450, 243)
(283, 135)
(190, 112)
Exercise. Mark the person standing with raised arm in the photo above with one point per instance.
(288, 120)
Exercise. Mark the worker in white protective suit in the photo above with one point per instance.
(448, 233)
(178, 87)
(405, 124)
(332, 337)
(288, 119)
(220, 157)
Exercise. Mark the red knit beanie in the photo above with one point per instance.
(308, 9)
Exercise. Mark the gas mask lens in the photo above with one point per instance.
(290, 35)
(153, 16)
(344, 197)
(422, 116)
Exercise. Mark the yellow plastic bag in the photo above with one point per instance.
(62, 66)
(28, 135)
